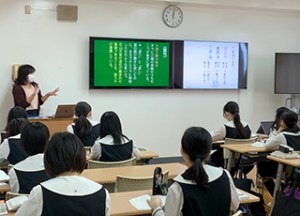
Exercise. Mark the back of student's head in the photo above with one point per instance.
(34, 137)
(15, 126)
(196, 142)
(110, 124)
(233, 108)
(16, 112)
(64, 153)
(23, 72)
(82, 124)
(278, 115)
(290, 119)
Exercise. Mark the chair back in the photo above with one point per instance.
(126, 183)
(237, 141)
(116, 152)
(93, 164)
(9, 195)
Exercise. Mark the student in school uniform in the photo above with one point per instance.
(113, 145)
(202, 190)
(234, 128)
(67, 192)
(11, 149)
(28, 173)
(83, 126)
(15, 112)
(288, 134)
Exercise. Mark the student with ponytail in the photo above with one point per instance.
(83, 127)
(202, 190)
(235, 128)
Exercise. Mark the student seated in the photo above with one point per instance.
(202, 190)
(66, 193)
(113, 145)
(28, 173)
(86, 129)
(234, 128)
(15, 112)
(11, 148)
(288, 134)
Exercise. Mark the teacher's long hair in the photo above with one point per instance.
(196, 143)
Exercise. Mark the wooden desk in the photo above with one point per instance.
(109, 175)
(54, 124)
(241, 148)
(4, 188)
(120, 205)
(281, 164)
(126, 208)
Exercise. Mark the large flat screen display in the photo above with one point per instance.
(129, 63)
(211, 65)
(287, 73)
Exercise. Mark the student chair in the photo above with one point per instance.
(93, 164)
(126, 183)
(9, 195)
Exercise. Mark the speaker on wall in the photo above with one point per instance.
(67, 12)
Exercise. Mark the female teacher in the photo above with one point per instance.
(27, 93)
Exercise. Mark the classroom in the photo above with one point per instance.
(154, 118)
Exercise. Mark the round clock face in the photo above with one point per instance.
(172, 16)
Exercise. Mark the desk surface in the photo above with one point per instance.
(148, 155)
(108, 175)
(127, 209)
(244, 148)
(290, 162)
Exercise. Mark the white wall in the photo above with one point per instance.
(153, 118)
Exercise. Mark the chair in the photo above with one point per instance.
(126, 183)
(93, 164)
(236, 155)
(9, 195)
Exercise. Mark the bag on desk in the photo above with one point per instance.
(287, 204)
(159, 186)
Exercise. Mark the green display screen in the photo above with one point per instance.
(129, 63)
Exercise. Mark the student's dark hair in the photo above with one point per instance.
(64, 153)
(196, 143)
(290, 119)
(34, 137)
(16, 112)
(278, 116)
(16, 126)
(23, 72)
(82, 125)
(233, 108)
(110, 124)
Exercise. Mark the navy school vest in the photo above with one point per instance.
(16, 151)
(117, 152)
(28, 180)
(89, 139)
(212, 201)
(87, 205)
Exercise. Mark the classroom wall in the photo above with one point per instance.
(155, 119)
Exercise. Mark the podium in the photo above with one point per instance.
(54, 124)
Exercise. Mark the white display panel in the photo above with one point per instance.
(210, 65)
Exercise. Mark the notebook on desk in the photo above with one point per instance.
(64, 111)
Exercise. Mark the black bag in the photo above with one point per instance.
(257, 208)
(286, 205)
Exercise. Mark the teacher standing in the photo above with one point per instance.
(26, 91)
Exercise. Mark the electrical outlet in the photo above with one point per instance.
(27, 9)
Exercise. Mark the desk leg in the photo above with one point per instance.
(277, 182)
(230, 158)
